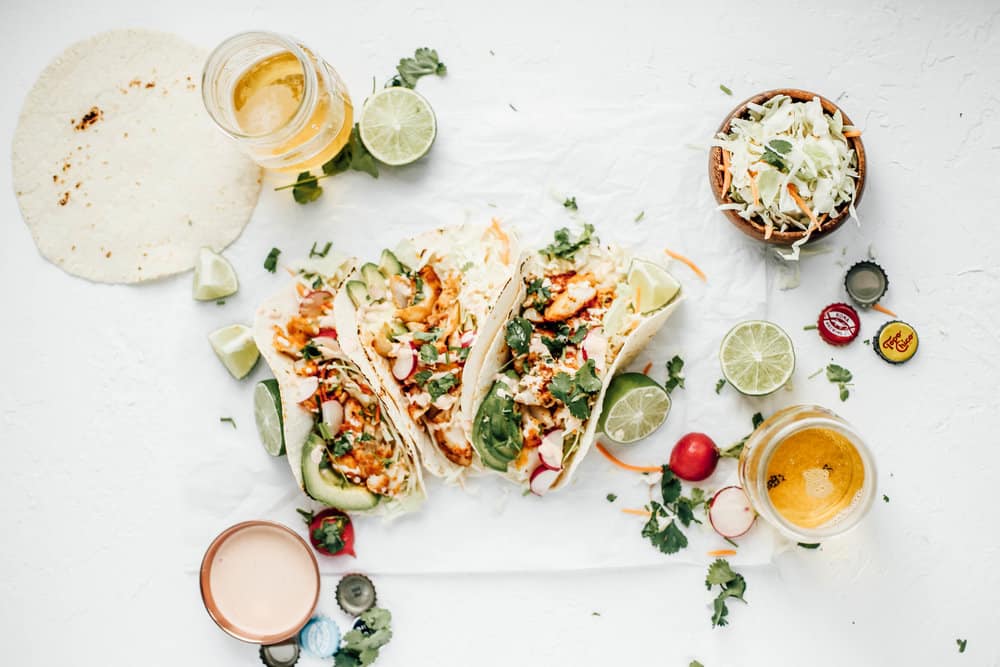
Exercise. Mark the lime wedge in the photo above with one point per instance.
(397, 126)
(214, 277)
(634, 407)
(267, 414)
(757, 357)
(614, 318)
(653, 284)
(235, 348)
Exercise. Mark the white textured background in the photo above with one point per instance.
(108, 393)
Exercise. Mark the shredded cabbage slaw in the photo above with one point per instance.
(790, 165)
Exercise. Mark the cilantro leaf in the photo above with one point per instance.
(424, 61)
(773, 159)
(271, 262)
(719, 612)
(563, 247)
(428, 353)
(342, 444)
(670, 486)
(780, 146)
(612, 497)
(517, 334)
(346, 658)
(306, 188)
(429, 336)
(586, 378)
(809, 545)
(330, 534)
(230, 420)
(570, 203)
(320, 253)
(719, 385)
(757, 420)
(675, 369)
(575, 390)
(695, 663)
(577, 336)
(439, 386)
(835, 373)
(539, 291)
(422, 377)
(668, 540)
(732, 585)
(555, 345)
(961, 644)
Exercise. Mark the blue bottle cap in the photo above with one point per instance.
(320, 637)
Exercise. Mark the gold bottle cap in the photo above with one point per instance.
(896, 342)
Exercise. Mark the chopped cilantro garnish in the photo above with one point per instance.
(422, 377)
(271, 262)
(575, 390)
(424, 61)
(428, 336)
(517, 335)
(320, 253)
(612, 497)
(563, 247)
(719, 385)
(228, 420)
(675, 368)
(570, 203)
(342, 444)
(538, 290)
(841, 377)
(440, 386)
(731, 585)
(428, 353)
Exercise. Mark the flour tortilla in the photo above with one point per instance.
(297, 422)
(497, 356)
(120, 173)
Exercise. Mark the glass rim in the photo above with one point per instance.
(868, 489)
(221, 53)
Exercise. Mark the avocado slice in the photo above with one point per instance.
(358, 292)
(375, 280)
(496, 430)
(326, 486)
(389, 264)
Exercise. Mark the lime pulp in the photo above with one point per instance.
(214, 277)
(235, 347)
(757, 357)
(652, 284)
(634, 407)
(267, 415)
(397, 126)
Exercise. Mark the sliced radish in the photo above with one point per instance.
(542, 478)
(405, 363)
(304, 388)
(551, 449)
(467, 339)
(327, 332)
(333, 415)
(730, 513)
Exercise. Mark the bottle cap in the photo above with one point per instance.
(865, 283)
(284, 654)
(896, 342)
(355, 594)
(320, 637)
(838, 324)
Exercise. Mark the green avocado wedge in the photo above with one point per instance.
(328, 487)
(496, 430)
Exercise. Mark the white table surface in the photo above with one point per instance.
(105, 389)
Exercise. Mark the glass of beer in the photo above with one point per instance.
(808, 473)
(285, 106)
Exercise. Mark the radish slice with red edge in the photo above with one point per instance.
(405, 364)
(730, 512)
(467, 339)
(542, 478)
(551, 449)
(333, 415)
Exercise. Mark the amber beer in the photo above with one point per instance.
(285, 106)
(808, 473)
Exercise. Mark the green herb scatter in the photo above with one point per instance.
(719, 385)
(428, 353)
(517, 335)
(961, 644)
(724, 88)
(306, 188)
(563, 247)
(575, 390)
(424, 62)
(313, 252)
(841, 377)
(440, 386)
(271, 262)
(228, 420)
(731, 585)
(675, 373)
(361, 645)
(612, 497)
(809, 545)
(330, 534)
(570, 203)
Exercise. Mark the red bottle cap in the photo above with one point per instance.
(838, 324)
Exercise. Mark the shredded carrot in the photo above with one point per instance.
(290, 272)
(645, 369)
(503, 238)
(794, 191)
(636, 512)
(722, 552)
(822, 219)
(884, 310)
(626, 466)
(684, 260)
(638, 299)
(852, 133)
(301, 289)
(753, 187)
(727, 177)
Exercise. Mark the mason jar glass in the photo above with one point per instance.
(284, 105)
(808, 473)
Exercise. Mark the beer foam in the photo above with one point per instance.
(845, 513)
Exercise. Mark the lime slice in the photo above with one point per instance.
(634, 407)
(757, 357)
(235, 348)
(653, 284)
(267, 414)
(614, 318)
(214, 276)
(397, 126)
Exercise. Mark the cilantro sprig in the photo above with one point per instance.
(424, 62)
(517, 335)
(675, 373)
(563, 247)
(271, 261)
(735, 450)
(575, 390)
(731, 585)
(361, 645)
(841, 377)
(668, 537)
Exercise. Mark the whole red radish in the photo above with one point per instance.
(330, 532)
(694, 457)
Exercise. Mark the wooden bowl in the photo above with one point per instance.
(754, 227)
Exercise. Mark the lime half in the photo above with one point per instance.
(397, 126)
(757, 357)
(214, 277)
(634, 407)
(652, 284)
(235, 348)
(267, 414)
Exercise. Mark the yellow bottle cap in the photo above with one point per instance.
(896, 342)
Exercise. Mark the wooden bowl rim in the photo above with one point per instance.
(752, 227)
